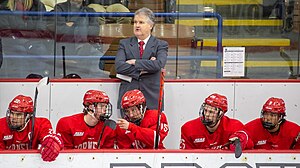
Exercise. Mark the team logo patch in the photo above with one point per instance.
(262, 142)
(78, 134)
(198, 140)
(7, 137)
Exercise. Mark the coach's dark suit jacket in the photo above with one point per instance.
(149, 82)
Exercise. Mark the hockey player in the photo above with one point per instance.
(138, 128)
(271, 130)
(16, 129)
(82, 130)
(213, 130)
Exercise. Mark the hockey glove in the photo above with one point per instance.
(51, 146)
(243, 138)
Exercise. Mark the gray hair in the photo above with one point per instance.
(147, 12)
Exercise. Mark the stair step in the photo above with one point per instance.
(256, 63)
(230, 22)
(218, 2)
(248, 42)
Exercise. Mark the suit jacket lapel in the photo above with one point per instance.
(134, 49)
(149, 48)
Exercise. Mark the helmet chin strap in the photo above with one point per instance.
(92, 115)
(206, 122)
(90, 112)
(143, 110)
(137, 121)
(210, 123)
(24, 126)
(270, 126)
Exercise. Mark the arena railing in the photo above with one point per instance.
(217, 57)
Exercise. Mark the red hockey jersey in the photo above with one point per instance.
(76, 134)
(194, 134)
(143, 136)
(14, 140)
(282, 139)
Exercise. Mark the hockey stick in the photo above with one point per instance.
(159, 109)
(110, 123)
(64, 60)
(238, 147)
(43, 82)
(1, 53)
(71, 75)
(295, 141)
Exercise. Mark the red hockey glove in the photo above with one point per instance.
(242, 136)
(51, 146)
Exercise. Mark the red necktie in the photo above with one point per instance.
(141, 43)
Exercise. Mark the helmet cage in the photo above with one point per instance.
(207, 122)
(25, 116)
(270, 125)
(108, 112)
(103, 116)
(141, 108)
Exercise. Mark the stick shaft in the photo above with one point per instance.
(43, 81)
(33, 118)
(295, 141)
(101, 135)
(226, 144)
(160, 100)
(64, 60)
